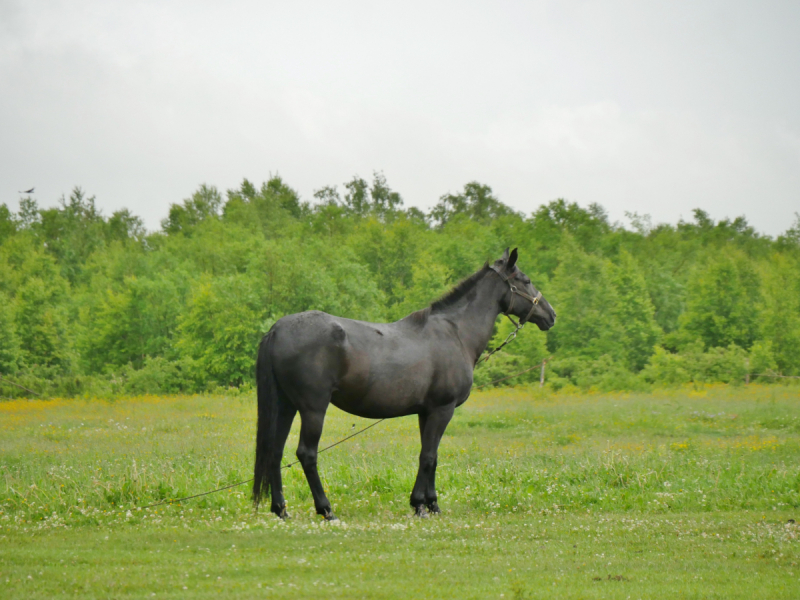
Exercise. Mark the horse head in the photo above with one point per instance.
(522, 299)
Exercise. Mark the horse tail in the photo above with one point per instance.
(267, 419)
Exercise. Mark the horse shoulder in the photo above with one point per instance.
(452, 369)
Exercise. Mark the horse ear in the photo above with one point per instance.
(504, 258)
(512, 260)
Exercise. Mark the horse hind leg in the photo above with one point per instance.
(285, 417)
(307, 450)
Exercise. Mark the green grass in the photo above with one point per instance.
(676, 494)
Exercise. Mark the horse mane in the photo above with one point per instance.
(460, 290)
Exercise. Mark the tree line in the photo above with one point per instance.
(97, 305)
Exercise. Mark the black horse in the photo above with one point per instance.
(421, 364)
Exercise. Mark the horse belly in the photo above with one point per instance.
(386, 380)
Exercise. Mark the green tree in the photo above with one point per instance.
(274, 209)
(736, 233)
(724, 302)
(123, 226)
(42, 327)
(790, 239)
(28, 216)
(463, 245)
(635, 312)
(356, 198)
(204, 204)
(330, 217)
(378, 200)
(389, 250)
(781, 314)
(476, 202)
(385, 201)
(667, 294)
(131, 324)
(9, 346)
(221, 328)
(8, 227)
(72, 232)
(275, 192)
(298, 275)
(586, 300)
(587, 227)
(429, 281)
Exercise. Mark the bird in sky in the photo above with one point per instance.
(30, 191)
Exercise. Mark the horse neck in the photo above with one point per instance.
(474, 315)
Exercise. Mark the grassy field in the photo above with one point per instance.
(683, 494)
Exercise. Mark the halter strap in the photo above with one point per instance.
(534, 300)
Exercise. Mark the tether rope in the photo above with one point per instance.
(289, 466)
(511, 337)
(8, 381)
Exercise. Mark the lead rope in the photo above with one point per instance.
(289, 466)
(511, 336)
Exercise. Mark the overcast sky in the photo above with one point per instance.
(652, 107)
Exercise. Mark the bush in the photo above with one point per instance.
(502, 365)
(693, 365)
(762, 360)
(604, 374)
(50, 382)
(161, 376)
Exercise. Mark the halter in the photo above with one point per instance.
(533, 300)
(517, 326)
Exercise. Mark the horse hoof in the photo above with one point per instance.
(421, 512)
(329, 516)
(434, 509)
(281, 513)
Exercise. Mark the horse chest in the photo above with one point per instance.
(451, 382)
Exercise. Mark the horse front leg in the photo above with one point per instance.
(431, 429)
(310, 432)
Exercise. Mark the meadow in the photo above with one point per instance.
(688, 493)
